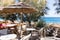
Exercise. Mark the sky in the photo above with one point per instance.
(16, 1)
(52, 11)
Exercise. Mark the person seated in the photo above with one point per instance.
(0, 25)
(4, 24)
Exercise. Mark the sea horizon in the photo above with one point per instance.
(51, 19)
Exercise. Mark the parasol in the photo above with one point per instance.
(18, 8)
(55, 25)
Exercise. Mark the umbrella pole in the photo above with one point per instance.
(21, 17)
(21, 24)
(20, 34)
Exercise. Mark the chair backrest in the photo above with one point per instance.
(35, 33)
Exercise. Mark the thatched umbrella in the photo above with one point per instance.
(18, 8)
(55, 25)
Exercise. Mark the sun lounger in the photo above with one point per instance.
(8, 37)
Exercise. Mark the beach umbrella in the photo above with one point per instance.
(18, 8)
(55, 25)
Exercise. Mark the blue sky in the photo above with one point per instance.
(52, 11)
(16, 1)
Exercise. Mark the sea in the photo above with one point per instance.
(51, 19)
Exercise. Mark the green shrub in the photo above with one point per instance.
(40, 24)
